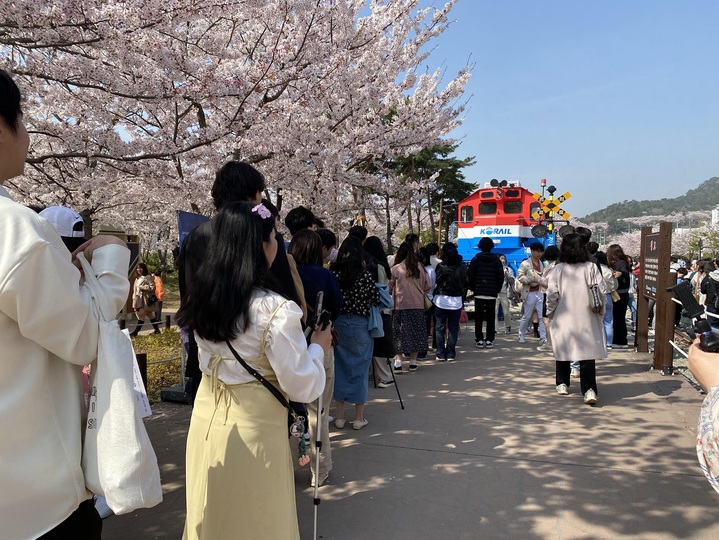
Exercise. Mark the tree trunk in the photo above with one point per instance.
(439, 225)
(388, 222)
(279, 199)
(360, 218)
(409, 217)
(162, 257)
(431, 215)
(419, 217)
(87, 219)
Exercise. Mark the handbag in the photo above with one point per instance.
(615, 296)
(596, 298)
(294, 420)
(118, 460)
(152, 299)
(427, 300)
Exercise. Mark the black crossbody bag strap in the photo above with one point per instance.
(267, 384)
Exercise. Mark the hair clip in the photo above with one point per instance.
(262, 211)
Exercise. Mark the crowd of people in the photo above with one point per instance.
(259, 339)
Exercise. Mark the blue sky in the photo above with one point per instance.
(609, 100)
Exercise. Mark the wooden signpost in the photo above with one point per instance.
(654, 280)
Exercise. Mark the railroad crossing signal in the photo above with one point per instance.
(539, 197)
(550, 206)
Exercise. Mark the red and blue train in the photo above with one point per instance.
(503, 211)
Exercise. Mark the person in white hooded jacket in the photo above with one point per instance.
(48, 331)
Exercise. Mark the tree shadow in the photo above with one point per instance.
(487, 449)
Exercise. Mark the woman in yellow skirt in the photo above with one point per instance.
(239, 475)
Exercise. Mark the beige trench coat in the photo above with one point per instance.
(142, 288)
(577, 332)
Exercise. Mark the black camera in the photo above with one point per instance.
(708, 339)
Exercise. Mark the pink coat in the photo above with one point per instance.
(406, 291)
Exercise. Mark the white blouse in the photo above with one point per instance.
(299, 369)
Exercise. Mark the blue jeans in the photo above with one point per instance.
(633, 310)
(446, 318)
(609, 320)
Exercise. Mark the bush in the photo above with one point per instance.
(163, 360)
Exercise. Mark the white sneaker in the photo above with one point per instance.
(590, 398)
(398, 366)
(562, 390)
(521, 338)
(574, 373)
(544, 346)
(488, 344)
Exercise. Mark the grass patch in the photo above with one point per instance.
(163, 360)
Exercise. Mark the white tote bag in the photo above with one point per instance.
(117, 459)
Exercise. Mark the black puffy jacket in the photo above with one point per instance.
(486, 274)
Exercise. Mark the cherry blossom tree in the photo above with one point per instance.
(133, 104)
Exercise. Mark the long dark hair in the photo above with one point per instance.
(218, 307)
(143, 267)
(405, 254)
(374, 247)
(615, 253)
(350, 262)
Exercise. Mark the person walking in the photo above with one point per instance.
(611, 282)
(529, 274)
(577, 331)
(159, 292)
(144, 300)
(238, 462)
(486, 277)
(551, 254)
(619, 263)
(503, 295)
(449, 297)
(408, 285)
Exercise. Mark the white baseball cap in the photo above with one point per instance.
(66, 221)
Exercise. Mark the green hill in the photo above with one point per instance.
(704, 197)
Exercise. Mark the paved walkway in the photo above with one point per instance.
(486, 449)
